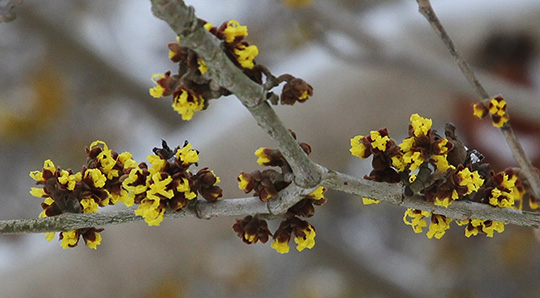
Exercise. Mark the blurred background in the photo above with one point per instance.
(72, 72)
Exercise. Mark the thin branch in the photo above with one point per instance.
(427, 11)
(375, 52)
(425, 8)
(67, 221)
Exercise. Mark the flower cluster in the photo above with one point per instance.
(253, 228)
(496, 107)
(384, 151)
(266, 184)
(443, 170)
(168, 182)
(191, 87)
(108, 178)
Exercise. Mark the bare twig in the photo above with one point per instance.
(425, 8)
(427, 11)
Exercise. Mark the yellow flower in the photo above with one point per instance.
(507, 201)
(159, 186)
(470, 179)
(420, 125)
(132, 177)
(263, 158)
(158, 90)
(442, 202)
(234, 30)
(397, 162)
(368, 201)
(106, 160)
(96, 176)
(183, 186)
(115, 198)
(281, 247)
(37, 175)
(249, 237)
(490, 226)
(243, 182)
(127, 160)
(187, 155)
(246, 54)
(208, 26)
(318, 194)
(202, 66)
(95, 243)
(69, 179)
(37, 192)
(69, 239)
(418, 222)
(378, 141)
(441, 162)
(407, 144)
(414, 159)
(157, 163)
(479, 111)
(151, 211)
(187, 104)
(50, 236)
(89, 205)
(304, 95)
(308, 241)
(438, 226)
(357, 147)
(497, 106)
(471, 232)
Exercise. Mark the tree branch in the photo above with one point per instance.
(390, 193)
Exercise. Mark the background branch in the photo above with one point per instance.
(324, 15)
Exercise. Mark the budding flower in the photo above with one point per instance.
(296, 90)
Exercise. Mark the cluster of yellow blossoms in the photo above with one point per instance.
(190, 88)
(442, 170)
(266, 184)
(109, 178)
(496, 107)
